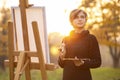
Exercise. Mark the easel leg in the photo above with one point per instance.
(27, 70)
(39, 50)
(10, 50)
(23, 5)
(19, 65)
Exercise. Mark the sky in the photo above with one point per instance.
(57, 13)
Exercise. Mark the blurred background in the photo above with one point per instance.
(103, 22)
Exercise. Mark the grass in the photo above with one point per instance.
(106, 74)
(103, 73)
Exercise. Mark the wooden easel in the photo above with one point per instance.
(23, 63)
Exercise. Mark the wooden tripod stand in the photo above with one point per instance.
(23, 63)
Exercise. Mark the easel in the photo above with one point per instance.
(23, 62)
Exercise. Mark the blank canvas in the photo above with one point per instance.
(33, 14)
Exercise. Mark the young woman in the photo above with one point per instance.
(80, 50)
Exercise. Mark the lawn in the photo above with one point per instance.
(106, 74)
(103, 73)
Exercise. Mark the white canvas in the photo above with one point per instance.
(33, 14)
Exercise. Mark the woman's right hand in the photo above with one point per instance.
(62, 51)
(61, 55)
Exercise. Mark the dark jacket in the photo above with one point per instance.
(82, 45)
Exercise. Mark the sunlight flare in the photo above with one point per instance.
(54, 50)
(57, 13)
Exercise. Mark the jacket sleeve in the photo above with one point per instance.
(60, 62)
(94, 52)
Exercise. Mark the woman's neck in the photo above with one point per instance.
(79, 30)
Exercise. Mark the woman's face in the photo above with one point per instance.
(80, 20)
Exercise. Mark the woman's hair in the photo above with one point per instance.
(74, 14)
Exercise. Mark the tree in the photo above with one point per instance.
(105, 24)
(5, 17)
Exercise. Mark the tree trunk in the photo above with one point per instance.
(115, 62)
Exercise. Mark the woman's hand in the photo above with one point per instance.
(78, 62)
(61, 54)
(62, 51)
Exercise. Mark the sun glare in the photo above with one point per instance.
(54, 50)
(58, 16)
(57, 13)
